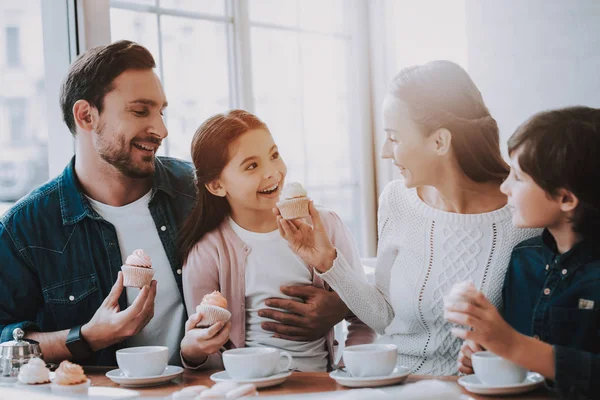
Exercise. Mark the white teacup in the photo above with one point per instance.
(495, 370)
(143, 361)
(255, 362)
(366, 360)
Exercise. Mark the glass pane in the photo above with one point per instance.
(198, 87)
(142, 2)
(277, 94)
(279, 12)
(326, 110)
(302, 93)
(139, 27)
(325, 15)
(216, 7)
(23, 127)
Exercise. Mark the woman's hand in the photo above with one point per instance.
(465, 365)
(489, 328)
(311, 243)
(199, 343)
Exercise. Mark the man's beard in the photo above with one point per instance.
(118, 155)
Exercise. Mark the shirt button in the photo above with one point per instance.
(547, 267)
(564, 271)
(179, 272)
(71, 297)
(546, 291)
(163, 228)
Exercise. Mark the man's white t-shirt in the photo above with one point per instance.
(136, 230)
(272, 264)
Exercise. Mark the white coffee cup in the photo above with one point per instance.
(143, 361)
(366, 360)
(495, 370)
(255, 362)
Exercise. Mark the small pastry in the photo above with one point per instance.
(34, 372)
(294, 203)
(213, 309)
(70, 379)
(137, 271)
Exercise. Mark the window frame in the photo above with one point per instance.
(92, 20)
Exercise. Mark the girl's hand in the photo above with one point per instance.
(467, 349)
(489, 328)
(199, 343)
(311, 243)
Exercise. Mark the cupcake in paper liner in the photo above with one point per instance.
(70, 379)
(294, 203)
(213, 309)
(137, 271)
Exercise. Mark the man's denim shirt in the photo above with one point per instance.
(556, 298)
(59, 258)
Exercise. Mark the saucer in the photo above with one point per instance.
(171, 372)
(474, 385)
(223, 376)
(398, 375)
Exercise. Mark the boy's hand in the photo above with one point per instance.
(467, 349)
(489, 328)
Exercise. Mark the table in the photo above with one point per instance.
(299, 382)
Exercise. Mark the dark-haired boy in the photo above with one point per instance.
(551, 293)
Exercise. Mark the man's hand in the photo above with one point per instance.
(304, 322)
(110, 325)
(199, 343)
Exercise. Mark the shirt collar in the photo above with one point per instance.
(583, 252)
(74, 206)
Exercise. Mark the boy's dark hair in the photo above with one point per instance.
(91, 76)
(561, 149)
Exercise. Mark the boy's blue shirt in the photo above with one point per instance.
(556, 298)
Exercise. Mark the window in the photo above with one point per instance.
(288, 61)
(174, 32)
(23, 123)
(302, 89)
(13, 50)
(17, 129)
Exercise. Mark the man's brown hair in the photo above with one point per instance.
(91, 76)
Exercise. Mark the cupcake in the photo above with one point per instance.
(137, 271)
(294, 203)
(69, 379)
(214, 309)
(34, 373)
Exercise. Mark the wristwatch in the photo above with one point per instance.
(77, 345)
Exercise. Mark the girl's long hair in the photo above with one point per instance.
(210, 155)
(440, 94)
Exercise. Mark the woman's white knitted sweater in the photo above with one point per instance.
(422, 252)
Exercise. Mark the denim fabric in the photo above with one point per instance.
(59, 258)
(556, 298)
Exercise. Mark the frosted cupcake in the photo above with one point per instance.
(34, 373)
(294, 203)
(137, 271)
(69, 379)
(214, 309)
